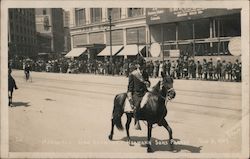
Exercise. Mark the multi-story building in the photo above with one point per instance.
(66, 24)
(193, 31)
(49, 21)
(22, 33)
(90, 28)
(44, 42)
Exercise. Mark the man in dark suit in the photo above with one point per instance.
(137, 87)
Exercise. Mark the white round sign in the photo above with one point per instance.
(234, 46)
(155, 50)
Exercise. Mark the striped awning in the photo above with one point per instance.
(106, 51)
(130, 50)
(76, 52)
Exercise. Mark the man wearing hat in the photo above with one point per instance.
(137, 87)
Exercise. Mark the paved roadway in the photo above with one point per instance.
(71, 113)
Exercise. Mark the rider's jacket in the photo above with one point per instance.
(137, 82)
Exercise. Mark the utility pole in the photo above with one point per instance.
(110, 39)
(138, 50)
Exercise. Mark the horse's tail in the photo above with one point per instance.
(118, 110)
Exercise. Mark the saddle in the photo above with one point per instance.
(128, 108)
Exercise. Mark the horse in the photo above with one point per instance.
(153, 112)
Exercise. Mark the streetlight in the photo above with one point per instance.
(137, 31)
(110, 37)
(110, 32)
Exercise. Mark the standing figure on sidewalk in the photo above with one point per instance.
(11, 85)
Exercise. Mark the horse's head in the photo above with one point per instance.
(167, 85)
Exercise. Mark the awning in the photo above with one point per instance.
(76, 52)
(130, 50)
(106, 51)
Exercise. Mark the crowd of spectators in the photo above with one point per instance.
(188, 68)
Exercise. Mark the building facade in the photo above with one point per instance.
(49, 22)
(22, 39)
(192, 31)
(90, 27)
(66, 24)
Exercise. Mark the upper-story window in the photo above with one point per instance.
(95, 15)
(115, 13)
(135, 12)
(44, 12)
(80, 17)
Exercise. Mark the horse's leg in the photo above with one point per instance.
(149, 138)
(165, 124)
(11, 93)
(9, 97)
(112, 129)
(129, 117)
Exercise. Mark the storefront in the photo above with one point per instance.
(194, 31)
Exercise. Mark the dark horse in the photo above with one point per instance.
(153, 112)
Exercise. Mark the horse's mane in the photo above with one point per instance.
(156, 88)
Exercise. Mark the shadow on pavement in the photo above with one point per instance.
(163, 145)
(20, 104)
(49, 99)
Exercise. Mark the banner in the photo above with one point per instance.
(168, 15)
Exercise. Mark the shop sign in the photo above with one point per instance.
(168, 15)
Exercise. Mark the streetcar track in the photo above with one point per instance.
(200, 105)
(123, 85)
(214, 114)
(190, 94)
(86, 91)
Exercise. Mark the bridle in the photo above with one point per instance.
(168, 97)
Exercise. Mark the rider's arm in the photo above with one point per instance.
(130, 86)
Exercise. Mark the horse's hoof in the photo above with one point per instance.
(150, 150)
(110, 137)
(171, 141)
(130, 143)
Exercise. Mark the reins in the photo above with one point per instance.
(165, 98)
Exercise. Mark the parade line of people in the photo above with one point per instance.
(220, 70)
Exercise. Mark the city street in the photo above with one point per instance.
(72, 112)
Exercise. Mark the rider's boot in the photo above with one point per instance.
(137, 123)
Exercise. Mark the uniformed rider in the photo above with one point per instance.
(137, 88)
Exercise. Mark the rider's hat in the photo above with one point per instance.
(140, 62)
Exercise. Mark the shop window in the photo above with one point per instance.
(185, 30)
(136, 35)
(115, 13)
(186, 49)
(201, 28)
(95, 15)
(80, 17)
(169, 47)
(44, 12)
(135, 12)
(202, 49)
(228, 26)
(169, 32)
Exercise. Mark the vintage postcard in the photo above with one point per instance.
(124, 79)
